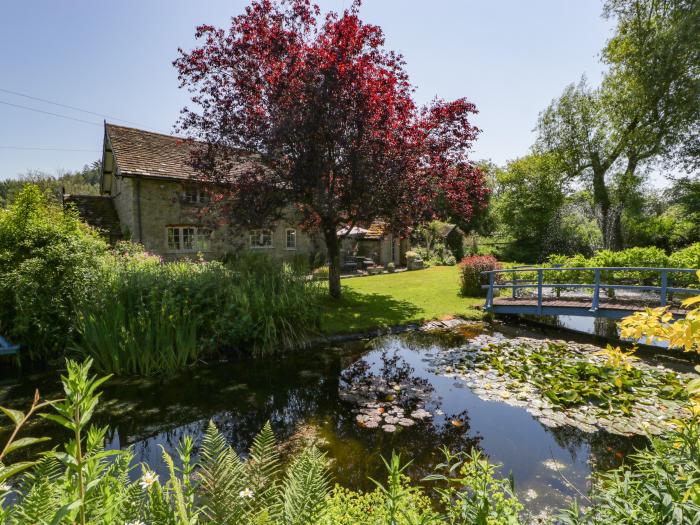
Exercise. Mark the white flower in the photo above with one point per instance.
(4, 487)
(246, 493)
(134, 523)
(148, 479)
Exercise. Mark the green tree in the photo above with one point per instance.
(647, 108)
(528, 202)
(83, 181)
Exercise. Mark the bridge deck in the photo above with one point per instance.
(624, 306)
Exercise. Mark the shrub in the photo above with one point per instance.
(49, 266)
(411, 255)
(471, 268)
(688, 257)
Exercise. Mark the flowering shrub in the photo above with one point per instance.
(470, 270)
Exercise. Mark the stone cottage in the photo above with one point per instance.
(149, 195)
(147, 179)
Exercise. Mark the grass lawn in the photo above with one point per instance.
(399, 298)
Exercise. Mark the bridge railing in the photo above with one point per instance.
(554, 278)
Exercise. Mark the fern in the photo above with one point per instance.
(263, 470)
(305, 488)
(42, 491)
(222, 476)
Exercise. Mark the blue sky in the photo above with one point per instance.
(509, 57)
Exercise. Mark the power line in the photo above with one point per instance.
(49, 149)
(50, 113)
(74, 108)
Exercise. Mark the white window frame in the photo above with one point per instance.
(294, 237)
(257, 239)
(195, 195)
(187, 239)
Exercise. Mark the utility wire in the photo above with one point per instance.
(74, 108)
(50, 113)
(49, 149)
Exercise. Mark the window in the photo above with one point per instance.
(195, 195)
(188, 239)
(261, 238)
(291, 239)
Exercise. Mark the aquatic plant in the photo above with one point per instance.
(149, 317)
(568, 379)
(81, 482)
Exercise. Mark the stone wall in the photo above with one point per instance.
(122, 192)
(161, 206)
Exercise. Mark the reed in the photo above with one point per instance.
(150, 317)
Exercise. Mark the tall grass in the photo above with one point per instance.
(150, 317)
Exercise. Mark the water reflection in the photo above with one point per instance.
(300, 394)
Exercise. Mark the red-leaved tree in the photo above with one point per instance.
(313, 112)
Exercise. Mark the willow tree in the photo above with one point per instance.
(313, 112)
(646, 110)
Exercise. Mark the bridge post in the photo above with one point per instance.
(596, 291)
(664, 287)
(514, 288)
(540, 276)
(489, 292)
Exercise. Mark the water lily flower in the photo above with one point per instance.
(246, 493)
(4, 487)
(148, 479)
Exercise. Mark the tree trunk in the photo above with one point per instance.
(601, 203)
(333, 247)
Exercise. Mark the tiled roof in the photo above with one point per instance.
(376, 230)
(139, 152)
(98, 211)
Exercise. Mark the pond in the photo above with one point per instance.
(302, 395)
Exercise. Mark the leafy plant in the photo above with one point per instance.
(49, 268)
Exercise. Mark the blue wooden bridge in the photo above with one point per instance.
(591, 292)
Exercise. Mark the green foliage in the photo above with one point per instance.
(663, 486)
(475, 495)
(156, 318)
(436, 248)
(49, 267)
(529, 203)
(84, 181)
(650, 257)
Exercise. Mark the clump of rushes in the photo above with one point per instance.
(150, 317)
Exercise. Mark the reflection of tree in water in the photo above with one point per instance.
(606, 450)
(357, 451)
